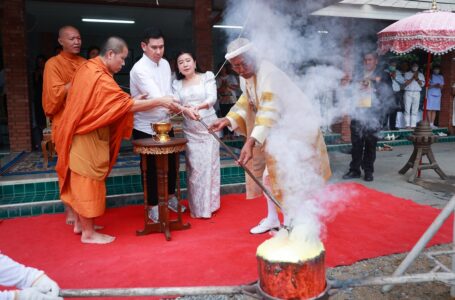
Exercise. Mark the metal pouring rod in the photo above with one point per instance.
(228, 149)
(163, 291)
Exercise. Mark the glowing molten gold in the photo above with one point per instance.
(289, 248)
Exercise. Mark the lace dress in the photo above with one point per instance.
(202, 150)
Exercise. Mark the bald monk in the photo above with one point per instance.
(98, 114)
(58, 73)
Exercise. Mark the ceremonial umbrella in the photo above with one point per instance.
(431, 30)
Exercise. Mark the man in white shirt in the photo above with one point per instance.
(413, 83)
(151, 76)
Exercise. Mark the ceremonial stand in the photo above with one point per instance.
(161, 150)
(422, 138)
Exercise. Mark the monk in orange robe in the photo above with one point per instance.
(58, 73)
(98, 115)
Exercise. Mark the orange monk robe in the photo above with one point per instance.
(95, 119)
(58, 71)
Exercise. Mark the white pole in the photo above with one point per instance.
(446, 278)
(166, 291)
(423, 241)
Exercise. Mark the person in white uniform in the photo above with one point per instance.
(197, 91)
(413, 84)
(434, 95)
(264, 86)
(32, 283)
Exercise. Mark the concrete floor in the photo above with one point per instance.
(430, 190)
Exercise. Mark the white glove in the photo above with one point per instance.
(46, 286)
(33, 293)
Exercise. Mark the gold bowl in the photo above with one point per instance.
(162, 131)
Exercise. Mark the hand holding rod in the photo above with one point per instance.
(228, 149)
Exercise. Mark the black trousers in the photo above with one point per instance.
(364, 141)
(152, 178)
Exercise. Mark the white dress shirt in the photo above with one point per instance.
(414, 86)
(154, 80)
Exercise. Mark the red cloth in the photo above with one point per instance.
(217, 251)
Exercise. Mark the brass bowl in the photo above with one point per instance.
(162, 131)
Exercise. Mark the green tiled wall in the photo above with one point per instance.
(115, 185)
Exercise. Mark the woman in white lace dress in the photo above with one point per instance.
(198, 91)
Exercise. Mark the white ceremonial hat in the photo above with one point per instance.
(237, 47)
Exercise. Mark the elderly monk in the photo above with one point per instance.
(98, 114)
(58, 73)
(253, 116)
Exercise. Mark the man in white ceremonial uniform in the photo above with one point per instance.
(151, 76)
(263, 87)
(413, 84)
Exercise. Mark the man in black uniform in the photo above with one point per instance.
(367, 121)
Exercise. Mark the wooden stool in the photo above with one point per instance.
(161, 150)
(47, 147)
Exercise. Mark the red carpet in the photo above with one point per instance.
(219, 251)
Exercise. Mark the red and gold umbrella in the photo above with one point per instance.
(432, 30)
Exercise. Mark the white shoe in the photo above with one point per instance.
(442, 134)
(264, 226)
(154, 214)
(173, 204)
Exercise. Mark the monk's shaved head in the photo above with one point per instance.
(113, 54)
(65, 29)
(70, 39)
(114, 43)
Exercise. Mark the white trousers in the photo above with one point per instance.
(272, 213)
(411, 108)
(400, 120)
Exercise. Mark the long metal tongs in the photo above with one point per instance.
(234, 156)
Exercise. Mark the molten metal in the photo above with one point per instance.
(290, 268)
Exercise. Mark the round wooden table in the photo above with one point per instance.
(161, 150)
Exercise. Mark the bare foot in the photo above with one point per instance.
(78, 228)
(97, 238)
(70, 216)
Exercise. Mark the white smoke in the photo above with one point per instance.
(311, 52)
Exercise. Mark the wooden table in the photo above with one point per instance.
(161, 150)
